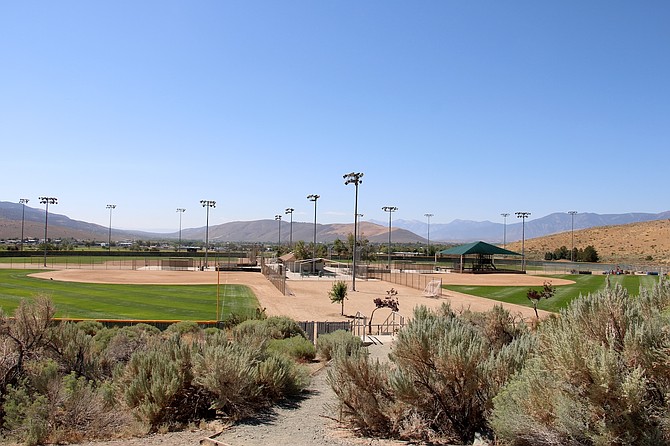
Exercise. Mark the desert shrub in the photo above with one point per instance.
(365, 396)
(440, 383)
(49, 406)
(157, 385)
(327, 344)
(74, 350)
(244, 378)
(601, 376)
(296, 347)
(26, 416)
(184, 327)
(91, 328)
(275, 327)
(448, 371)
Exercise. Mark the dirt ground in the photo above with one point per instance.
(308, 297)
(311, 419)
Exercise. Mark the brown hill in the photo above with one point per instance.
(632, 243)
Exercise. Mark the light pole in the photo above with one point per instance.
(313, 198)
(428, 217)
(390, 210)
(109, 238)
(523, 216)
(504, 216)
(278, 218)
(290, 241)
(23, 201)
(572, 232)
(207, 204)
(47, 201)
(355, 179)
(181, 211)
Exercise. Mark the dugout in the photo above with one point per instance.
(178, 264)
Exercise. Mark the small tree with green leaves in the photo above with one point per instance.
(338, 293)
(535, 296)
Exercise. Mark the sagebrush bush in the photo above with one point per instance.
(601, 376)
(296, 347)
(444, 372)
(275, 327)
(184, 327)
(327, 344)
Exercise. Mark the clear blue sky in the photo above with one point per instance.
(462, 109)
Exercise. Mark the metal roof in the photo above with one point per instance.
(477, 248)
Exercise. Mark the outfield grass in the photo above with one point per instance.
(584, 284)
(144, 302)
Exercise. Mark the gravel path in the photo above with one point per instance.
(309, 420)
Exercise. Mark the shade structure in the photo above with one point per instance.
(476, 257)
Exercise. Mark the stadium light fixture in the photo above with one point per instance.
(23, 201)
(207, 204)
(278, 218)
(572, 234)
(111, 207)
(290, 211)
(504, 216)
(181, 211)
(428, 217)
(523, 216)
(390, 210)
(314, 197)
(47, 201)
(355, 179)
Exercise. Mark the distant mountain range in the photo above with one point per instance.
(266, 231)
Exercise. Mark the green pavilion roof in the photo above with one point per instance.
(477, 248)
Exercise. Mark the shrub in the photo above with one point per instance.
(444, 372)
(244, 379)
(184, 327)
(157, 385)
(275, 327)
(362, 388)
(327, 344)
(296, 347)
(601, 376)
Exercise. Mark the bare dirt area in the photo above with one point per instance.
(308, 297)
(312, 419)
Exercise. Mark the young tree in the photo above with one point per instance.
(536, 296)
(338, 293)
(390, 301)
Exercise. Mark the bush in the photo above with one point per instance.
(444, 372)
(274, 327)
(184, 327)
(327, 344)
(296, 347)
(244, 379)
(602, 376)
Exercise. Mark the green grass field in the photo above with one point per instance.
(584, 285)
(137, 302)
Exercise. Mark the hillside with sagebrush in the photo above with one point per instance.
(647, 242)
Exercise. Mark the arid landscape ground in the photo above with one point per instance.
(647, 242)
(312, 419)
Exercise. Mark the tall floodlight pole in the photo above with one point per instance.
(504, 216)
(47, 201)
(390, 210)
(109, 238)
(23, 201)
(523, 216)
(207, 204)
(181, 212)
(355, 179)
(313, 198)
(278, 218)
(428, 217)
(290, 240)
(572, 233)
